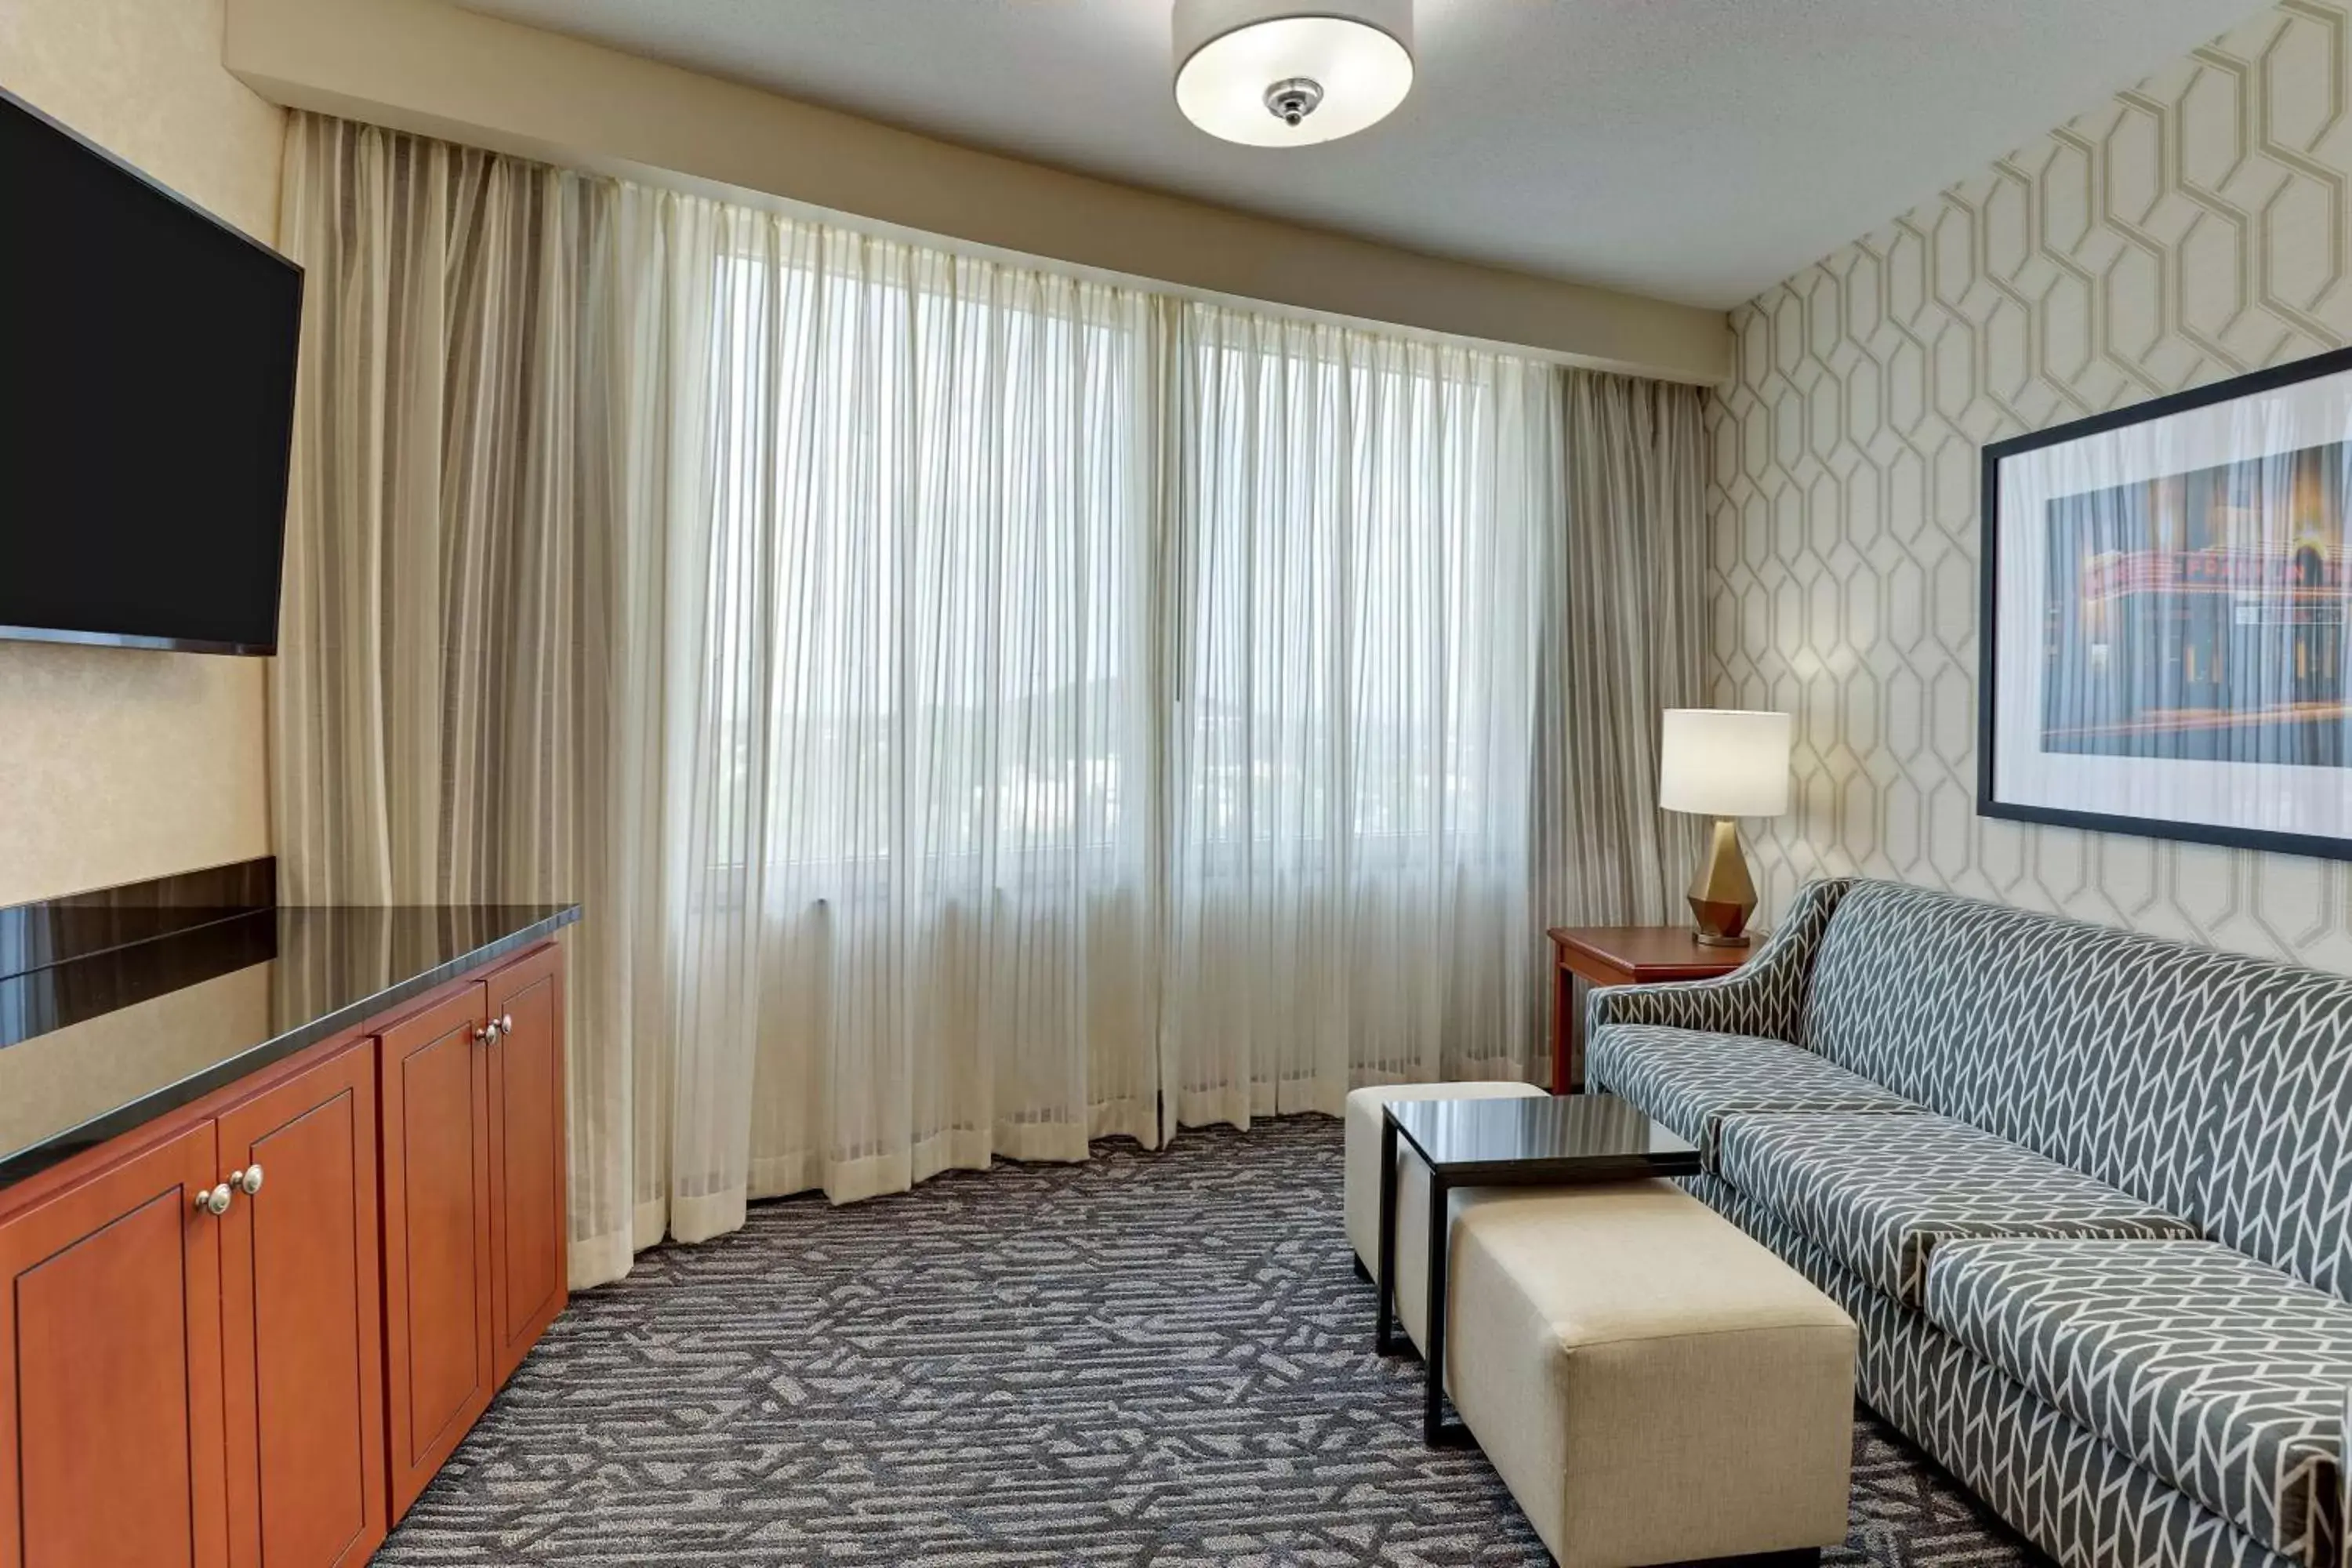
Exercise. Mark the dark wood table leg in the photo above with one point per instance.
(1385, 1286)
(1563, 1025)
(1573, 1075)
(1433, 1429)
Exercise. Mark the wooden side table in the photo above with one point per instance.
(1621, 955)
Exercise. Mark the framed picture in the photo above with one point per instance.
(2163, 616)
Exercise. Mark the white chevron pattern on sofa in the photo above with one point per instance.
(2088, 1101)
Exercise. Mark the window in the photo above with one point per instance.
(927, 568)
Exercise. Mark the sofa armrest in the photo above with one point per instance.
(1764, 997)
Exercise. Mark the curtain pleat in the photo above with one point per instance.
(980, 710)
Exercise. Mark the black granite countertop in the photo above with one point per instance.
(117, 1032)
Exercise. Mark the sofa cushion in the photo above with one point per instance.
(2081, 1500)
(1691, 1081)
(2223, 1376)
(1881, 1191)
(2216, 1085)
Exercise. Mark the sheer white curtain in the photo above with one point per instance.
(1359, 525)
(780, 592)
(980, 708)
(908, 666)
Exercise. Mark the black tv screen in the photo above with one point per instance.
(147, 356)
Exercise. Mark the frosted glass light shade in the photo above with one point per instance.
(1719, 761)
(1230, 53)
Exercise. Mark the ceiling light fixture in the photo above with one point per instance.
(1289, 73)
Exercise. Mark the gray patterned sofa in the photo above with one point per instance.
(2088, 1194)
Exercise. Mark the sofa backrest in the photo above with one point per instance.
(2216, 1085)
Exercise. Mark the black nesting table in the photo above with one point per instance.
(1535, 1141)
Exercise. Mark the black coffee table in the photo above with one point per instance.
(1545, 1142)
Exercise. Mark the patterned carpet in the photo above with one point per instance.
(1158, 1359)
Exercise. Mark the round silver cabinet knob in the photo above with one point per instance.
(484, 1035)
(215, 1202)
(247, 1181)
(506, 1023)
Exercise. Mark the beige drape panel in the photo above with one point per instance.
(980, 710)
(445, 710)
(1622, 639)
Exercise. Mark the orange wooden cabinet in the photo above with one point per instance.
(189, 1353)
(529, 1172)
(247, 1335)
(111, 1452)
(441, 1370)
(304, 1335)
(474, 1204)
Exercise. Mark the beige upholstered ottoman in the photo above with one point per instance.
(1651, 1385)
(1361, 1189)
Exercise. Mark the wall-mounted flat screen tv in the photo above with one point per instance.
(147, 356)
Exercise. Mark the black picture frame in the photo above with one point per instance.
(2334, 362)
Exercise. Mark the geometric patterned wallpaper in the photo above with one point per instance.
(2189, 229)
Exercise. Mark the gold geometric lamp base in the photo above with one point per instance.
(1722, 895)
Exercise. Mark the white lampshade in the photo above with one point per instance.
(1717, 762)
(1348, 62)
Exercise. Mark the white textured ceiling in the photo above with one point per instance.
(1698, 150)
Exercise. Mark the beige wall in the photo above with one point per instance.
(424, 66)
(121, 765)
(2191, 229)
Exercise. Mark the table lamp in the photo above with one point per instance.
(1726, 764)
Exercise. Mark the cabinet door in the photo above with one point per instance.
(111, 1435)
(527, 1173)
(440, 1348)
(302, 1320)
